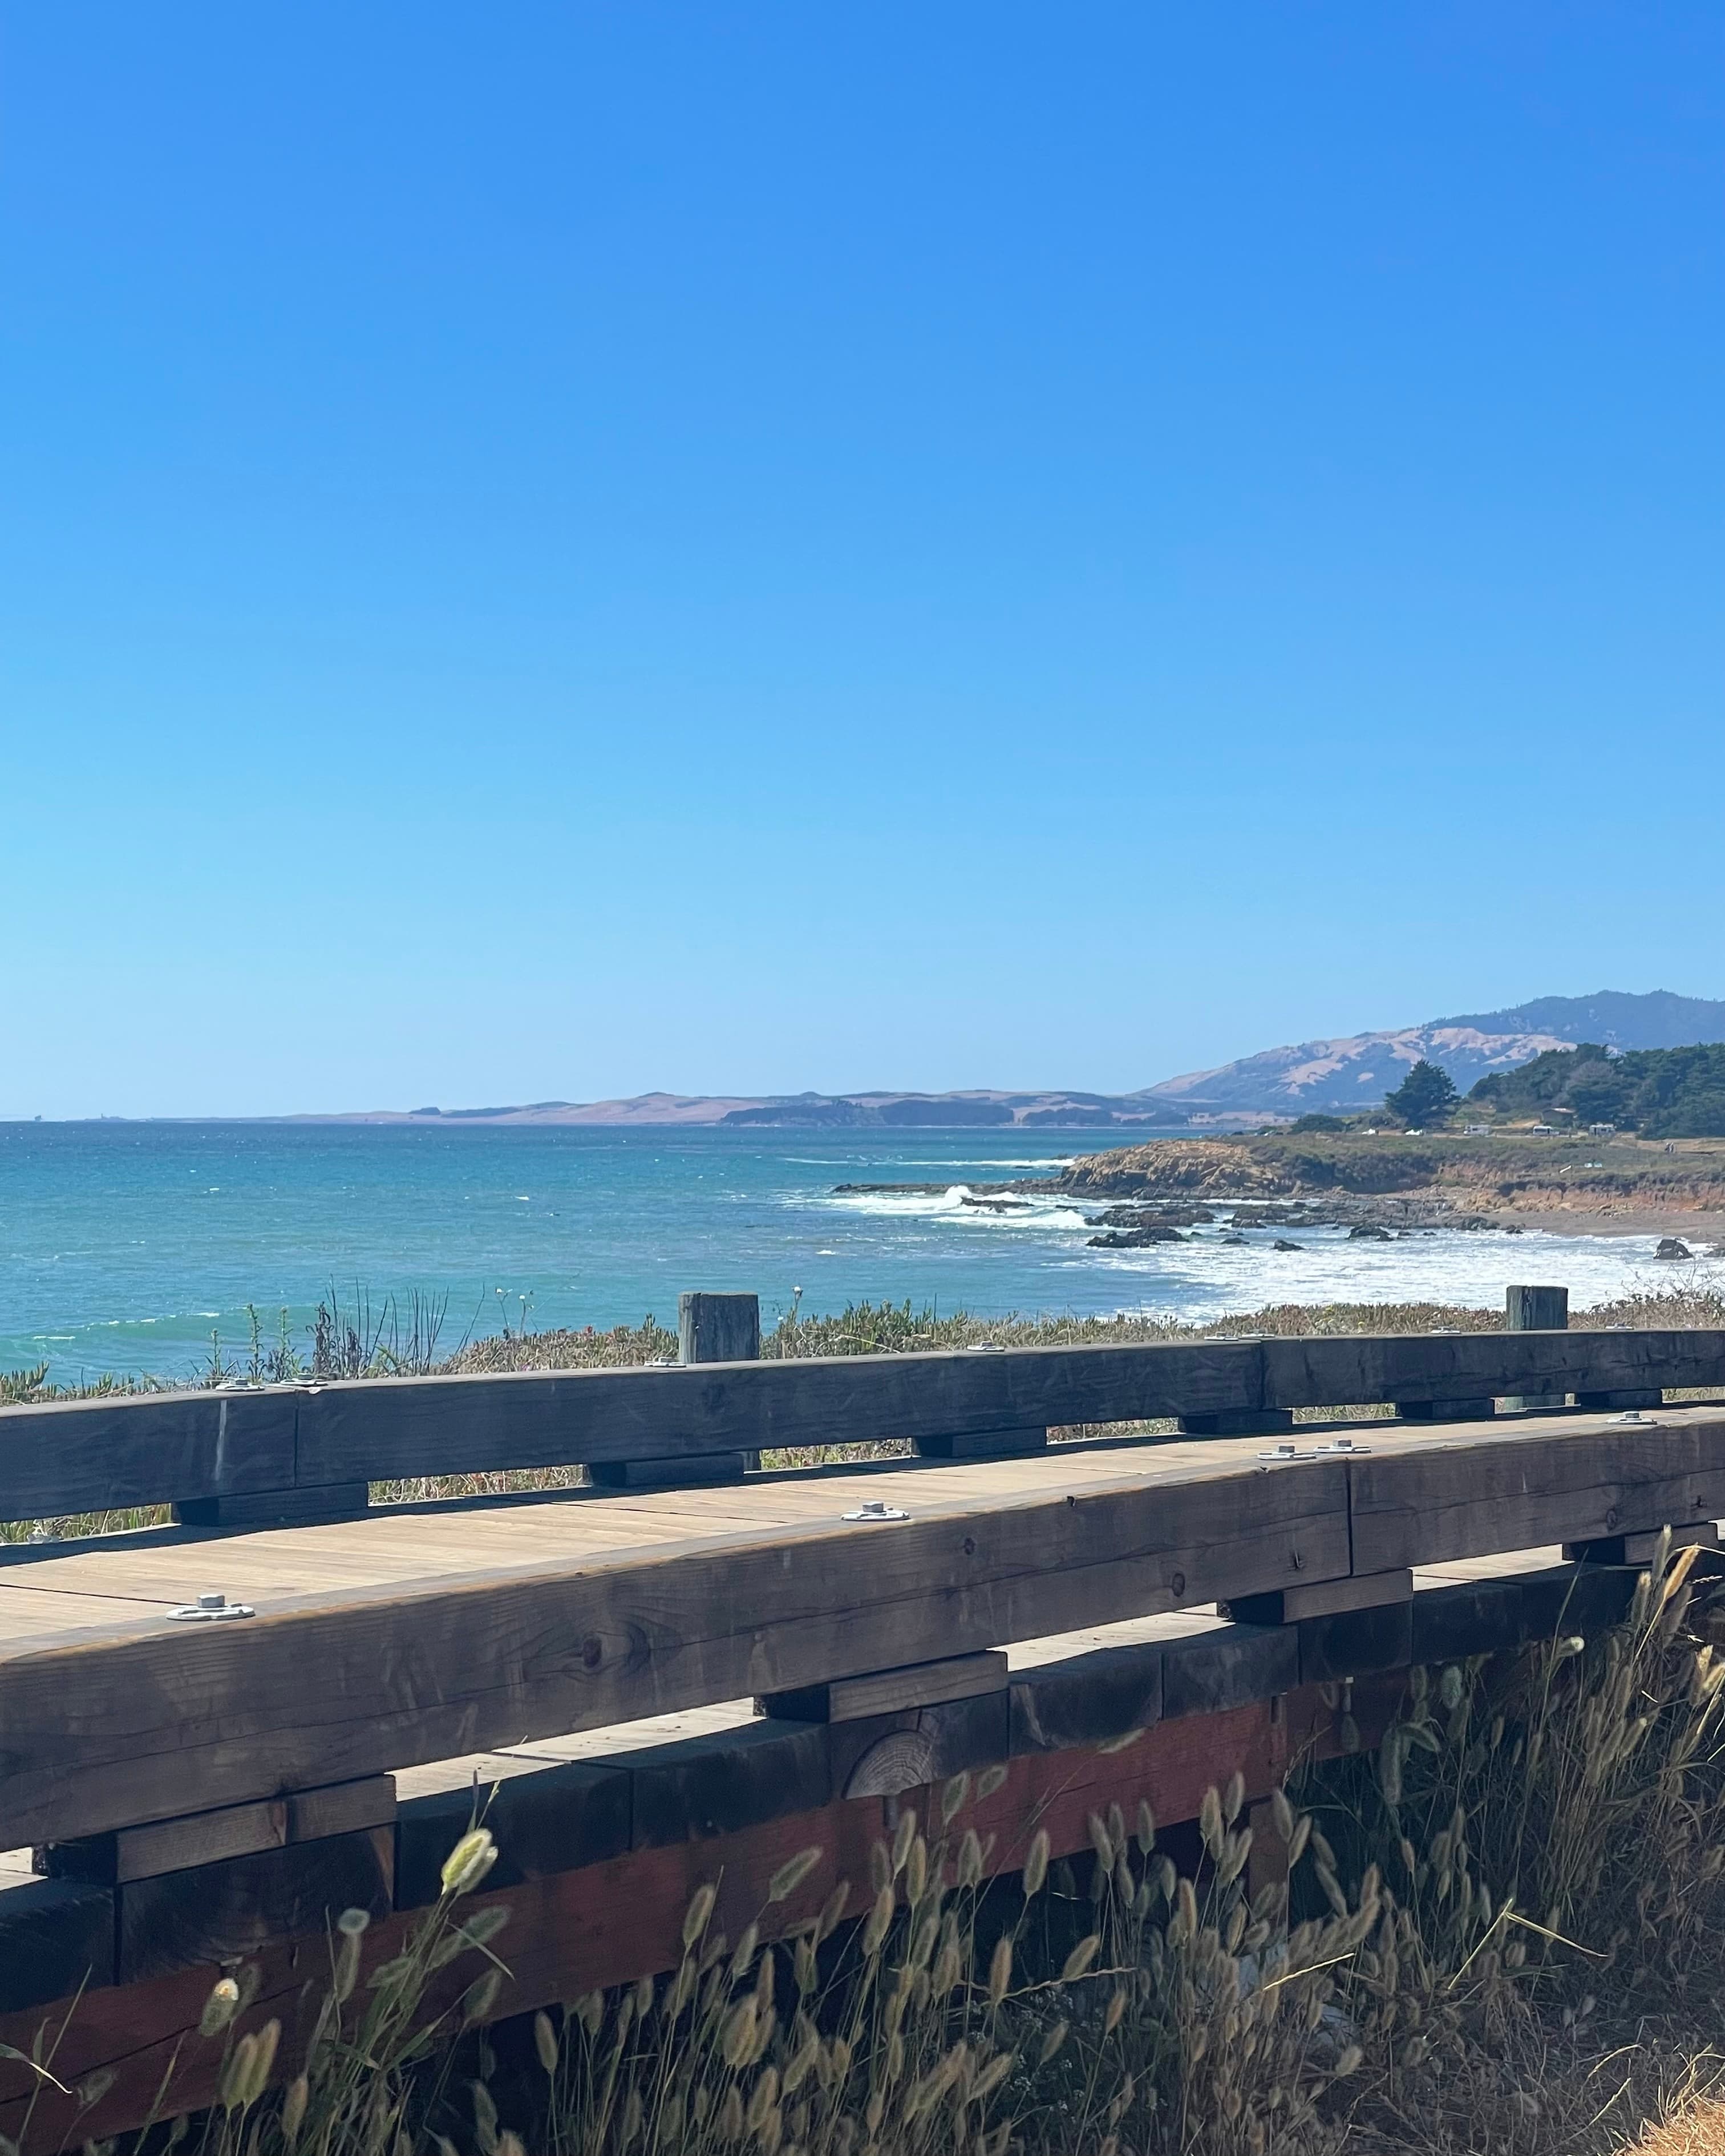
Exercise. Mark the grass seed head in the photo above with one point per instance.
(699, 1914)
(468, 1862)
(545, 2041)
(220, 2007)
(789, 1876)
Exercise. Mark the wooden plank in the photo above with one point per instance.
(1351, 1643)
(1087, 1699)
(179, 1844)
(702, 1787)
(1323, 1598)
(1417, 1503)
(887, 1692)
(211, 1837)
(984, 1443)
(342, 1808)
(112, 1728)
(546, 1817)
(106, 1456)
(299, 1506)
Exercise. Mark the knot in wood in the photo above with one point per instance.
(1177, 1584)
(592, 1651)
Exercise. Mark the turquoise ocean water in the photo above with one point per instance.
(124, 1245)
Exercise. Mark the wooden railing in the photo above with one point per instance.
(244, 1456)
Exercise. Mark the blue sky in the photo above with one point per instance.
(547, 551)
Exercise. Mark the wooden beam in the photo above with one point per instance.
(887, 1692)
(1529, 1486)
(1323, 1598)
(106, 1456)
(110, 1727)
(190, 1448)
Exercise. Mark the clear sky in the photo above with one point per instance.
(547, 551)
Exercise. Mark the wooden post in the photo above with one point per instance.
(711, 1328)
(718, 1328)
(1535, 1310)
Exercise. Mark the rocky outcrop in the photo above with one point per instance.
(1151, 1216)
(1135, 1239)
(1176, 1168)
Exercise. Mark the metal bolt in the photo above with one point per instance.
(876, 1508)
(210, 1608)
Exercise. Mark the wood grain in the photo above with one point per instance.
(1467, 1496)
(112, 1727)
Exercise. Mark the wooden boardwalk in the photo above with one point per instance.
(667, 1685)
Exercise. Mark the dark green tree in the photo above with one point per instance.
(1427, 1094)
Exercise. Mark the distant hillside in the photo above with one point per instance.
(1330, 1077)
(1343, 1076)
(1659, 1019)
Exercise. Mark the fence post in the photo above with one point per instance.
(1535, 1310)
(711, 1328)
(718, 1328)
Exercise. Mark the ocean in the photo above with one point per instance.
(124, 1246)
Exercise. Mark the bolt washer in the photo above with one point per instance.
(210, 1610)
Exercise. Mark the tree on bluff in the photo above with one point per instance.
(1427, 1094)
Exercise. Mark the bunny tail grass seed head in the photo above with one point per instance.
(789, 1876)
(220, 2007)
(699, 1914)
(468, 1862)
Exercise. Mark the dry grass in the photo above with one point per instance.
(1698, 2130)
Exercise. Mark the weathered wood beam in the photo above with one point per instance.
(1531, 1485)
(109, 1727)
(192, 1449)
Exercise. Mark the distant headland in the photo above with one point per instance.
(1337, 1076)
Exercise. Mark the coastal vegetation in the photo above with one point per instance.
(1656, 1092)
